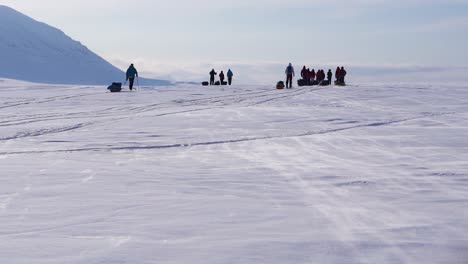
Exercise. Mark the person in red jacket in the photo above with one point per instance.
(304, 73)
(338, 74)
(312, 75)
(309, 76)
(320, 75)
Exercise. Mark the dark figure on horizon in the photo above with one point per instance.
(212, 77)
(229, 76)
(289, 75)
(329, 76)
(221, 77)
(320, 75)
(304, 73)
(308, 76)
(343, 74)
(312, 75)
(338, 74)
(131, 73)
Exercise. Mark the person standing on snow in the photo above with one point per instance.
(229, 75)
(212, 77)
(312, 75)
(343, 74)
(338, 74)
(304, 73)
(289, 75)
(308, 76)
(221, 77)
(131, 73)
(329, 76)
(320, 75)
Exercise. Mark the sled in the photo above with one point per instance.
(314, 82)
(340, 83)
(301, 82)
(324, 83)
(205, 83)
(224, 83)
(280, 85)
(115, 87)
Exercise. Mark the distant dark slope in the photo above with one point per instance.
(36, 52)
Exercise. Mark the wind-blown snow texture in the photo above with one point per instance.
(34, 51)
(185, 174)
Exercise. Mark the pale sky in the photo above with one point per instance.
(158, 34)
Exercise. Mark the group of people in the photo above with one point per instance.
(222, 77)
(340, 74)
(310, 75)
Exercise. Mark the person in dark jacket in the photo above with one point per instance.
(212, 77)
(343, 73)
(329, 76)
(289, 75)
(131, 73)
(229, 75)
(221, 77)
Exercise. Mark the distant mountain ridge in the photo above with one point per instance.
(36, 52)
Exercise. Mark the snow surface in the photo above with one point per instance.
(34, 51)
(369, 173)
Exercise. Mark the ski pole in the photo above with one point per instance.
(138, 83)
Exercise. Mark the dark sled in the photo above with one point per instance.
(324, 83)
(314, 82)
(217, 83)
(340, 83)
(205, 83)
(115, 87)
(301, 82)
(280, 85)
(223, 83)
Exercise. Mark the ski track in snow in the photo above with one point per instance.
(362, 174)
(194, 144)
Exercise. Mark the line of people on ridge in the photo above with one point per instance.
(222, 77)
(311, 77)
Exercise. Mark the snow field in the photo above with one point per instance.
(370, 173)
